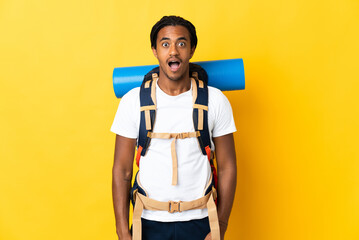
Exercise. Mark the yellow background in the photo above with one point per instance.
(298, 135)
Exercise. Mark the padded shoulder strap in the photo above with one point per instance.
(148, 114)
(200, 120)
(200, 113)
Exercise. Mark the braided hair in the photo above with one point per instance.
(173, 21)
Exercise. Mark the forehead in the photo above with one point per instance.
(173, 33)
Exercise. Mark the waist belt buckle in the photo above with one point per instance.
(174, 206)
(183, 135)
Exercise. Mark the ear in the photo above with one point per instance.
(192, 52)
(154, 52)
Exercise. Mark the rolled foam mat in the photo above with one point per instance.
(225, 75)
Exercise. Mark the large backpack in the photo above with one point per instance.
(200, 113)
(199, 80)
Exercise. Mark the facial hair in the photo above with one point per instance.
(171, 78)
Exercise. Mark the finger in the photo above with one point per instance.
(208, 237)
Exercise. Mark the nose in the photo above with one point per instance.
(173, 50)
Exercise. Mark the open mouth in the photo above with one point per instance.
(174, 65)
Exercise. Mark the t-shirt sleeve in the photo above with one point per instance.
(223, 115)
(126, 122)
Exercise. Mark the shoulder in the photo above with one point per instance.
(126, 120)
(220, 113)
(216, 97)
(214, 91)
(218, 104)
(130, 101)
(132, 94)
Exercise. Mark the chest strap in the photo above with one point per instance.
(175, 136)
(143, 202)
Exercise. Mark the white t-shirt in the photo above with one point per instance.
(174, 115)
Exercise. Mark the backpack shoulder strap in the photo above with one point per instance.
(200, 113)
(200, 120)
(148, 114)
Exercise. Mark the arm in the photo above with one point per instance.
(121, 183)
(227, 178)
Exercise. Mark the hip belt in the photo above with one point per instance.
(207, 201)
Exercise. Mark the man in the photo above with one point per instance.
(173, 41)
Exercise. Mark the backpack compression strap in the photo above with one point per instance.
(174, 136)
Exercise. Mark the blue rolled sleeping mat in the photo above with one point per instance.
(225, 75)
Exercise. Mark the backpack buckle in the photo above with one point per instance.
(174, 206)
(183, 135)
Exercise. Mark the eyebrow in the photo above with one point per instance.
(166, 38)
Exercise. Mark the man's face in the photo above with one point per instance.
(174, 51)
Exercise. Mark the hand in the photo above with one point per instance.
(208, 237)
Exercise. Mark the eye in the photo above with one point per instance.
(165, 44)
(181, 44)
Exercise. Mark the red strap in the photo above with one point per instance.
(138, 156)
(215, 176)
(208, 151)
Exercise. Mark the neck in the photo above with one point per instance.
(172, 87)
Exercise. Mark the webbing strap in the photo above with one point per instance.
(210, 156)
(200, 119)
(200, 82)
(150, 107)
(154, 205)
(194, 91)
(143, 202)
(148, 119)
(138, 156)
(153, 88)
(200, 114)
(199, 107)
(147, 84)
(137, 213)
(147, 109)
(175, 136)
(213, 219)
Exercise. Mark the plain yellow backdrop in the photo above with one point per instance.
(298, 136)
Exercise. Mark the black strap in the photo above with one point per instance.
(202, 99)
(145, 100)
